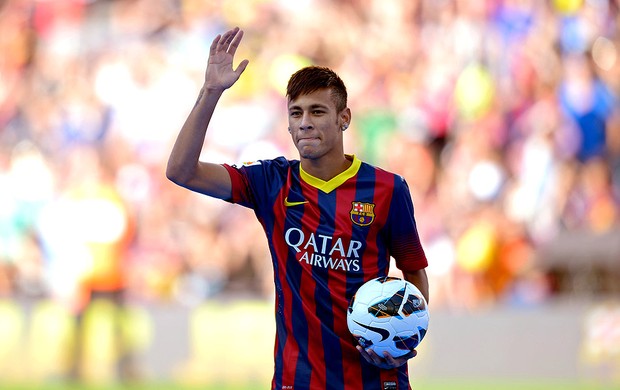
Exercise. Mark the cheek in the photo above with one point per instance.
(293, 134)
(293, 123)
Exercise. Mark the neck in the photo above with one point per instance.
(326, 169)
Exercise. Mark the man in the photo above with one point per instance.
(332, 222)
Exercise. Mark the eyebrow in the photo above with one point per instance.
(312, 106)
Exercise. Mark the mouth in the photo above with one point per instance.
(308, 141)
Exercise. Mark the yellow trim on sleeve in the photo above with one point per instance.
(336, 181)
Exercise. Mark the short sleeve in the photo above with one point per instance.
(404, 240)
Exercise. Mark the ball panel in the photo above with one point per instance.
(407, 343)
(388, 307)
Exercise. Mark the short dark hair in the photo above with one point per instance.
(312, 78)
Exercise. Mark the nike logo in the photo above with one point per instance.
(383, 332)
(290, 204)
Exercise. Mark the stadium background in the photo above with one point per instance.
(502, 116)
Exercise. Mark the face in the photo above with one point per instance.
(316, 126)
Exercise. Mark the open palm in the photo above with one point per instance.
(220, 74)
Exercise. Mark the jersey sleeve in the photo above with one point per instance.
(241, 190)
(405, 245)
(254, 185)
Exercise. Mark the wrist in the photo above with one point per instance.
(212, 90)
(208, 96)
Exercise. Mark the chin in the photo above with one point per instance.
(308, 154)
(311, 156)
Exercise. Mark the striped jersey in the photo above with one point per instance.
(326, 239)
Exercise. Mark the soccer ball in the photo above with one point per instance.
(388, 314)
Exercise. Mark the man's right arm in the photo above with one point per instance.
(184, 167)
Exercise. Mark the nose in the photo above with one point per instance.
(306, 122)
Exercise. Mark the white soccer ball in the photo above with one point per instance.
(388, 314)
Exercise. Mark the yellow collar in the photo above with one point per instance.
(336, 181)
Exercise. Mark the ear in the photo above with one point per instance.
(344, 118)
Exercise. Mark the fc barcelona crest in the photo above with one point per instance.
(362, 214)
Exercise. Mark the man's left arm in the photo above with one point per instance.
(419, 279)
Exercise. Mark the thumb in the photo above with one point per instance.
(241, 67)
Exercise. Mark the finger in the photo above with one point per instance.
(365, 354)
(227, 38)
(235, 41)
(214, 44)
(232, 34)
(389, 358)
(373, 355)
(408, 355)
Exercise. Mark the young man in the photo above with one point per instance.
(332, 223)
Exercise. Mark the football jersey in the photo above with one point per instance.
(326, 239)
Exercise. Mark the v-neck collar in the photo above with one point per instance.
(336, 181)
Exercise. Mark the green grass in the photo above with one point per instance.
(420, 385)
(511, 385)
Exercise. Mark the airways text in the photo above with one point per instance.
(324, 251)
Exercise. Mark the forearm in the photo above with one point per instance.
(183, 160)
(420, 280)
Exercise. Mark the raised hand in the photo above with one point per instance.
(220, 75)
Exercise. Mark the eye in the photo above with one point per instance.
(295, 113)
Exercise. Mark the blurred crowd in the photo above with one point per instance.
(502, 116)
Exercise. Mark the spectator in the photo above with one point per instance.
(537, 150)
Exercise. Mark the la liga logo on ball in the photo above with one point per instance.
(388, 314)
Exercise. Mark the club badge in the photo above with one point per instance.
(362, 214)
